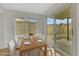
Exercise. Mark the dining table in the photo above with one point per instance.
(32, 44)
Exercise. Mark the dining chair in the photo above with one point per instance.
(49, 45)
(41, 39)
(12, 48)
(49, 49)
(26, 36)
(38, 35)
(17, 43)
(16, 39)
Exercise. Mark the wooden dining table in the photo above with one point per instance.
(34, 44)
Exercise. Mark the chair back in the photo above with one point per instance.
(42, 37)
(16, 39)
(26, 36)
(38, 36)
(50, 43)
(11, 46)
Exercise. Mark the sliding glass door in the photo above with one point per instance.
(63, 36)
(60, 32)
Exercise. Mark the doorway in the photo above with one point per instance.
(60, 32)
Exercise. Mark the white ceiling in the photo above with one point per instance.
(37, 8)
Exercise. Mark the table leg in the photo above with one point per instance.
(45, 52)
(21, 53)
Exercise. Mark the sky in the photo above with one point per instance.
(58, 21)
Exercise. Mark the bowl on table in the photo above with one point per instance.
(26, 43)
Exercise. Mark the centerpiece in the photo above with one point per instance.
(31, 35)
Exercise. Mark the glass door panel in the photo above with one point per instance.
(63, 36)
(50, 28)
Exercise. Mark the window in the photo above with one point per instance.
(50, 21)
(21, 27)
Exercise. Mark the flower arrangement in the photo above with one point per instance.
(30, 34)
